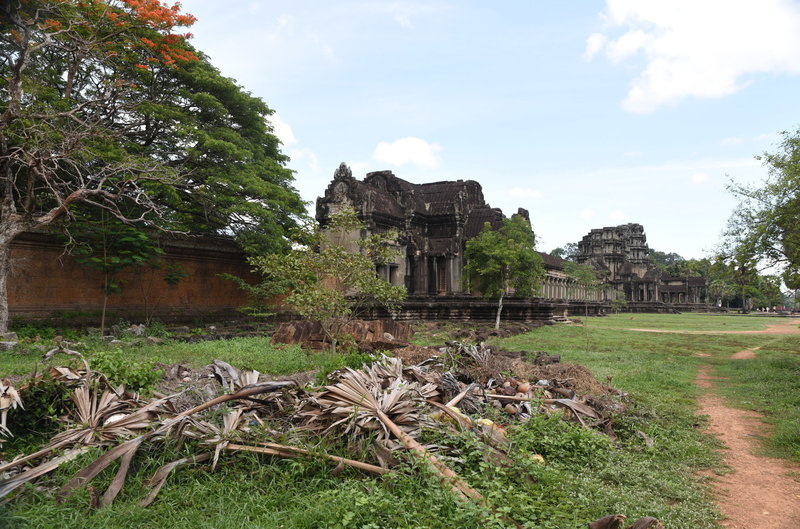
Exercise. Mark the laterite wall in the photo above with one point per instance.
(47, 283)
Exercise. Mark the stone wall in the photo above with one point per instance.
(46, 283)
(470, 308)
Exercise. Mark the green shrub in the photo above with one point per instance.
(30, 331)
(45, 400)
(120, 369)
(560, 441)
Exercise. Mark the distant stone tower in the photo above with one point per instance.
(621, 249)
(621, 252)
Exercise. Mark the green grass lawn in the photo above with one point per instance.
(685, 322)
(245, 353)
(587, 475)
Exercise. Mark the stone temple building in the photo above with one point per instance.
(435, 221)
(622, 254)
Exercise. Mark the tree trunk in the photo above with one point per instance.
(499, 310)
(5, 271)
(103, 315)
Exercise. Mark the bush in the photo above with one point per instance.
(119, 369)
(562, 442)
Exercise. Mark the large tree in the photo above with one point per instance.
(766, 225)
(103, 103)
(568, 252)
(502, 260)
(235, 176)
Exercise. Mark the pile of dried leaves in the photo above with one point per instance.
(386, 404)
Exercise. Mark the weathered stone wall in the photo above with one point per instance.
(470, 308)
(47, 283)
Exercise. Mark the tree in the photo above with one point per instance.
(586, 277)
(69, 79)
(568, 252)
(110, 246)
(663, 260)
(235, 178)
(103, 103)
(331, 284)
(721, 290)
(765, 227)
(504, 259)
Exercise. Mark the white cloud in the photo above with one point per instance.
(282, 130)
(594, 44)
(358, 167)
(327, 51)
(617, 216)
(403, 20)
(305, 155)
(727, 142)
(286, 21)
(522, 192)
(405, 12)
(409, 150)
(702, 49)
(768, 136)
(699, 178)
(587, 213)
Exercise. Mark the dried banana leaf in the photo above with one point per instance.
(158, 479)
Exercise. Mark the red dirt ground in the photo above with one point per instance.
(785, 327)
(759, 493)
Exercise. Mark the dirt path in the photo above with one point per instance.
(758, 493)
(783, 328)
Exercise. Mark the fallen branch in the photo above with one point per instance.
(458, 398)
(457, 485)
(292, 451)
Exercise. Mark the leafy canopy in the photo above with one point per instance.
(104, 103)
(765, 228)
(332, 281)
(504, 259)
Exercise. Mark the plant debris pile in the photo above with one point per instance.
(384, 406)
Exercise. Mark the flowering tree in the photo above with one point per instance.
(104, 103)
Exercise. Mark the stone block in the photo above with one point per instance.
(8, 346)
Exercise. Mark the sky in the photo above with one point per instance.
(587, 114)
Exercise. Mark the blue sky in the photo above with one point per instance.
(588, 114)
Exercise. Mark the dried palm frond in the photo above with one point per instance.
(377, 398)
(247, 378)
(111, 414)
(358, 394)
(9, 400)
(64, 373)
(479, 353)
(279, 450)
(224, 372)
(160, 477)
(30, 474)
(221, 436)
(126, 450)
(63, 350)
